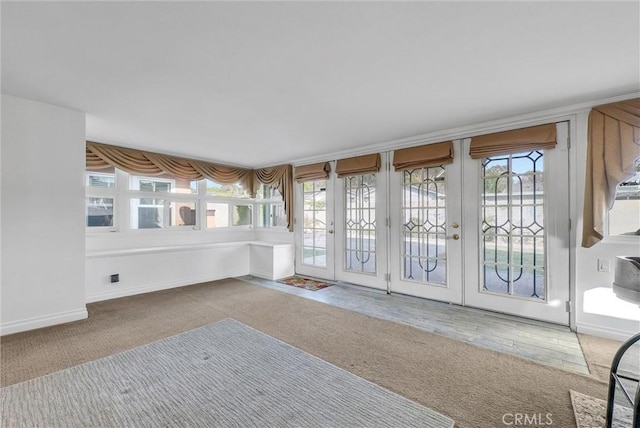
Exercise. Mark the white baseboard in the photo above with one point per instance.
(264, 275)
(607, 333)
(43, 321)
(98, 297)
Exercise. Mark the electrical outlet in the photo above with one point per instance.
(115, 277)
(603, 265)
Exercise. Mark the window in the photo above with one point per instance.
(624, 216)
(242, 215)
(99, 212)
(226, 190)
(217, 215)
(99, 201)
(154, 203)
(101, 180)
(270, 207)
(166, 202)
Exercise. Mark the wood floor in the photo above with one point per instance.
(544, 343)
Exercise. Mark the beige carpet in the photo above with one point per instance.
(599, 353)
(474, 386)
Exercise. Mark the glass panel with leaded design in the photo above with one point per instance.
(424, 225)
(513, 234)
(360, 223)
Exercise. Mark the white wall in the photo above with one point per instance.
(142, 270)
(598, 310)
(43, 242)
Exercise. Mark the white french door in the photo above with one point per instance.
(341, 229)
(425, 233)
(490, 233)
(516, 237)
(361, 233)
(315, 229)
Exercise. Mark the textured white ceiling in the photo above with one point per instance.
(260, 83)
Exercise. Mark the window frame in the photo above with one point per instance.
(275, 200)
(104, 193)
(124, 193)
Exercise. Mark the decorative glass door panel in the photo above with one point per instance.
(361, 233)
(425, 232)
(424, 225)
(360, 223)
(513, 234)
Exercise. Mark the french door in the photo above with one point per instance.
(517, 235)
(425, 219)
(490, 233)
(342, 235)
(315, 228)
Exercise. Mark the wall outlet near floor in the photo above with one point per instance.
(603, 265)
(115, 277)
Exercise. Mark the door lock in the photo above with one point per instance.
(455, 225)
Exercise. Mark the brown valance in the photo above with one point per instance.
(423, 156)
(316, 171)
(613, 148)
(101, 156)
(358, 165)
(541, 137)
(282, 178)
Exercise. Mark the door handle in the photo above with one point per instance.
(330, 231)
(455, 236)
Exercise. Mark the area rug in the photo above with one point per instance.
(591, 412)
(222, 374)
(306, 283)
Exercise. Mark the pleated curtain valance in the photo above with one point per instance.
(613, 148)
(423, 156)
(316, 171)
(541, 137)
(358, 165)
(103, 156)
(280, 177)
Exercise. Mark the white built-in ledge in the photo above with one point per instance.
(98, 254)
